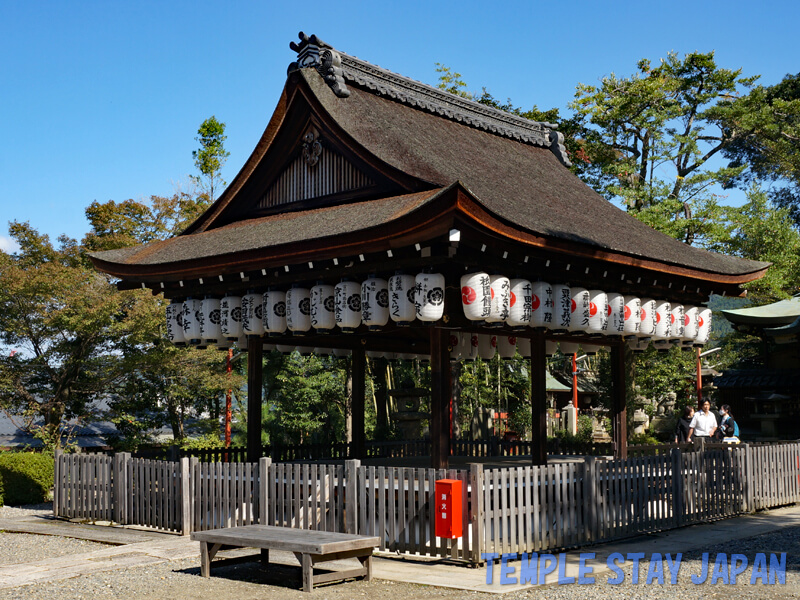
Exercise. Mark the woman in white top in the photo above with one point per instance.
(703, 424)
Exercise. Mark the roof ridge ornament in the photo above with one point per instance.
(313, 52)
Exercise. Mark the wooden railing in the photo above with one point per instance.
(520, 509)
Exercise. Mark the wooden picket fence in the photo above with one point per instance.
(521, 509)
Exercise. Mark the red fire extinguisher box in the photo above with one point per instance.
(448, 508)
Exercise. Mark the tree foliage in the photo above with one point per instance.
(211, 156)
(768, 141)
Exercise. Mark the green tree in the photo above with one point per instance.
(211, 156)
(56, 314)
(769, 141)
(654, 133)
(158, 383)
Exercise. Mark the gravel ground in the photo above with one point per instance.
(23, 547)
(179, 580)
(30, 510)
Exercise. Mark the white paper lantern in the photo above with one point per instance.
(550, 347)
(590, 349)
(703, 326)
(616, 314)
(253, 314)
(267, 348)
(275, 312)
(456, 344)
(638, 344)
(598, 311)
(476, 296)
(524, 347)
(542, 305)
(298, 310)
(633, 307)
(677, 322)
(662, 320)
(241, 343)
(230, 317)
(375, 303)
(401, 299)
(347, 305)
(562, 310)
(191, 321)
(520, 305)
(501, 298)
(340, 352)
(506, 346)
(487, 346)
(568, 347)
(284, 348)
(322, 308)
(210, 330)
(471, 351)
(429, 296)
(304, 350)
(322, 351)
(647, 318)
(690, 314)
(579, 309)
(175, 323)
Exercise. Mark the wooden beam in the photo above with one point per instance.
(359, 366)
(255, 356)
(539, 399)
(619, 418)
(440, 398)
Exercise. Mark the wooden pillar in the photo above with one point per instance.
(539, 399)
(255, 368)
(359, 366)
(440, 398)
(619, 417)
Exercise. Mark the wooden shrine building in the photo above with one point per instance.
(363, 175)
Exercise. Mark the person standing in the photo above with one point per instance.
(682, 428)
(703, 424)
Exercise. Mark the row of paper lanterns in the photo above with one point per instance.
(520, 303)
(467, 347)
(347, 305)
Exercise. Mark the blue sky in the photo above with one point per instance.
(102, 100)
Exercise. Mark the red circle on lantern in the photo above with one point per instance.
(513, 299)
(699, 321)
(658, 317)
(627, 313)
(494, 341)
(468, 295)
(574, 306)
(453, 340)
(685, 320)
(609, 310)
(512, 340)
(492, 291)
(474, 341)
(642, 314)
(671, 319)
(535, 302)
(592, 309)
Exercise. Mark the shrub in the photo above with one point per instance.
(1, 490)
(27, 476)
(642, 439)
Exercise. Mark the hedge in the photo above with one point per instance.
(27, 477)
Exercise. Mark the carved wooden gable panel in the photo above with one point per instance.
(318, 171)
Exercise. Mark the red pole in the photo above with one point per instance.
(575, 381)
(699, 380)
(228, 411)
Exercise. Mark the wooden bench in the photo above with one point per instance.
(310, 548)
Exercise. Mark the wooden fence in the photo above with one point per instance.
(521, 509)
